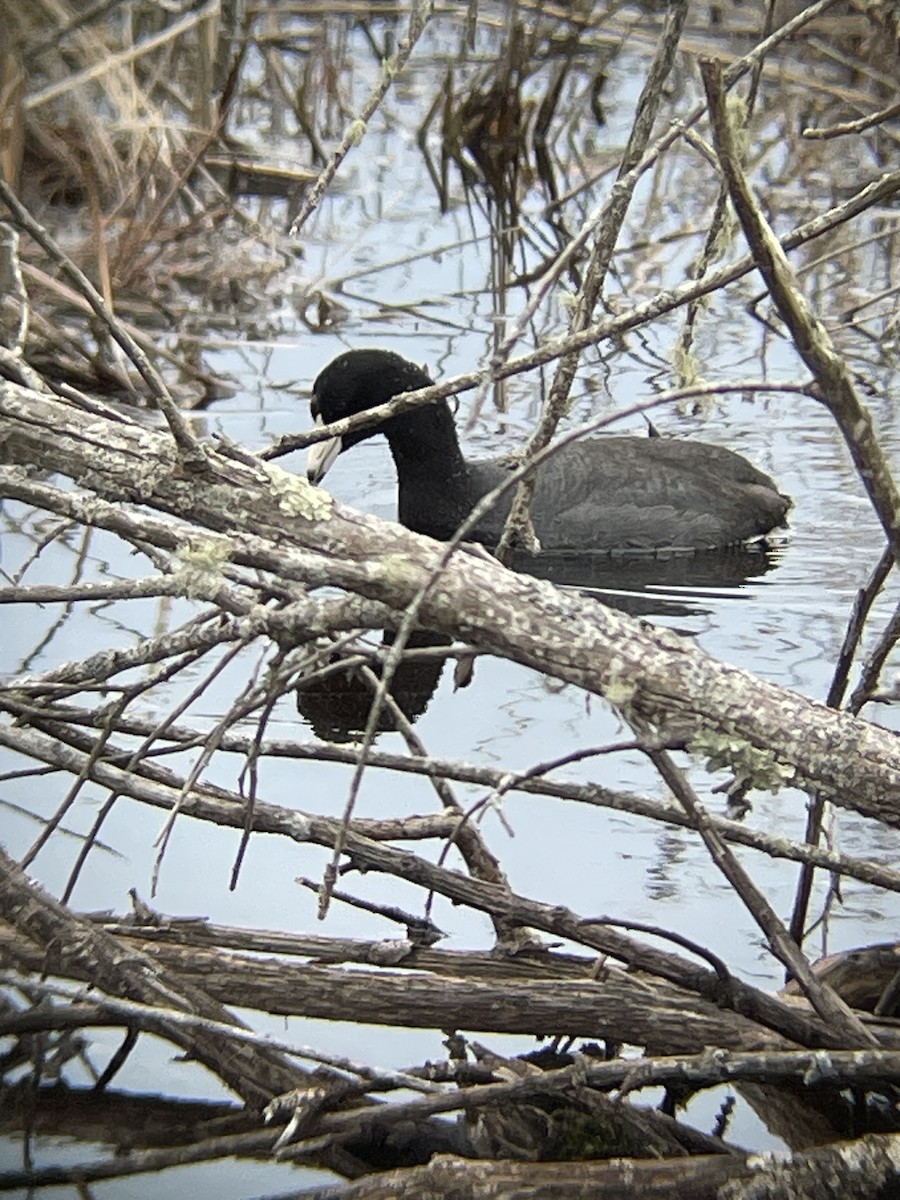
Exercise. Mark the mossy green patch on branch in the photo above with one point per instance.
(297, 497)
(399, 570)
(200, 561)
(755, 765)
(621, 687)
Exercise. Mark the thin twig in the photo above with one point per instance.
(420, 12)
(811, 338)
(822, 997)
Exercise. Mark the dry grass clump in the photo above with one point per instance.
(116, 120)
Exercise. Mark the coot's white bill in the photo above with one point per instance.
(321, 455)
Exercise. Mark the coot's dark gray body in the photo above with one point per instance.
(598, 495)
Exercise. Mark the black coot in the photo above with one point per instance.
(596, 495)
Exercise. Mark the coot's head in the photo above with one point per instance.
(353, 382)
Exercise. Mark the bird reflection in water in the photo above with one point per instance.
(337, 702)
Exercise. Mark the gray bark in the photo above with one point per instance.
(261, 516)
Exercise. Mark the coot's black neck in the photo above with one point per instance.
(432, 474)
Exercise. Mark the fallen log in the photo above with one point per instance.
(249, 513)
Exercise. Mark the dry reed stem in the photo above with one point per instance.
(420, 11)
